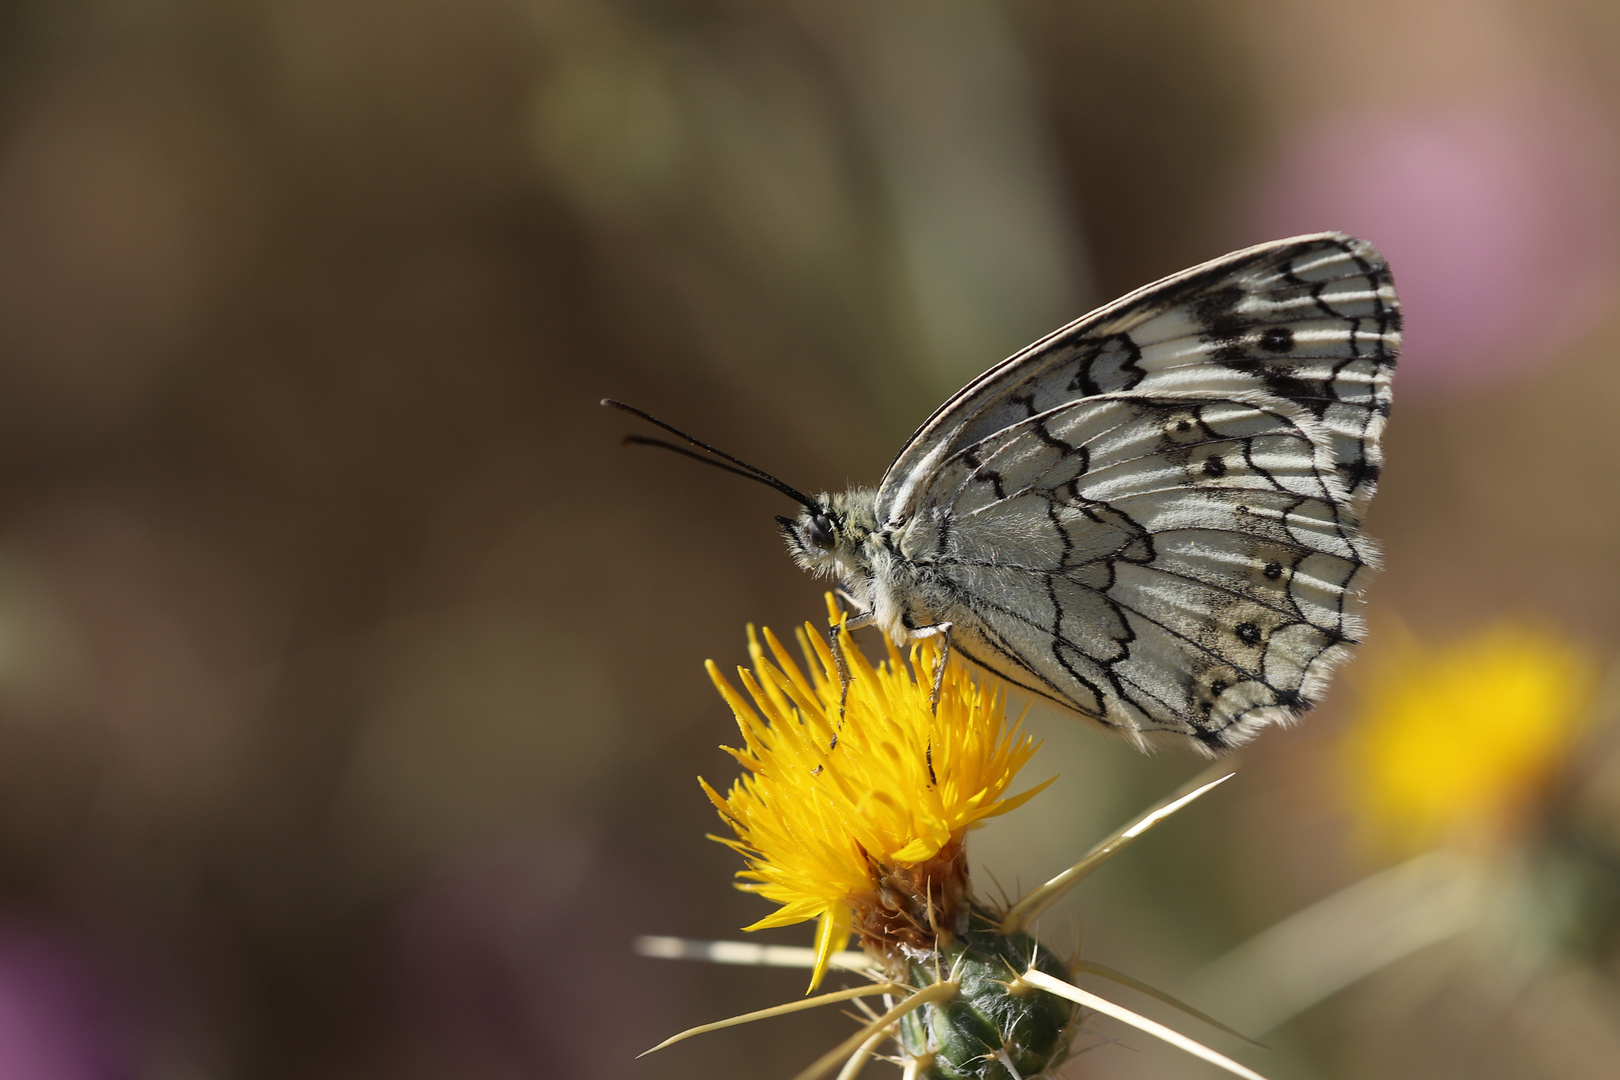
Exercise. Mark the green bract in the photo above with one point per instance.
(976, 1034)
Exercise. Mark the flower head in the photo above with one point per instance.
(1455, 740)
(857, 821)
(853, 809)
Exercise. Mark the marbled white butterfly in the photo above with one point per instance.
(1151, 516)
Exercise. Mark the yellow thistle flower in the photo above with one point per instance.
(854, 813)
(858, 822)
(1454, 741)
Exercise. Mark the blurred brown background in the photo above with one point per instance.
(350, 673)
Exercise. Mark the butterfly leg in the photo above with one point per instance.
(943, 632)
(835, 642)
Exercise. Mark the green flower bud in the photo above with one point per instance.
(975, 1035)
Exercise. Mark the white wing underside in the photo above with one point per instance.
(1152, 516)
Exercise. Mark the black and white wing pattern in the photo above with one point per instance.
(1153, 515)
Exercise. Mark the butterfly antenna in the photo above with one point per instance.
(642, 440)
(738, 466)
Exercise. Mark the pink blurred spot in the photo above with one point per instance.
(57, 1016)
(514, 961)
(1496, 218)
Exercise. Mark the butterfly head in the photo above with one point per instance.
(828, 535)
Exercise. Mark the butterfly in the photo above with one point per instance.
(1151, 516)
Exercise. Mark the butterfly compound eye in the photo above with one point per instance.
(820, 531)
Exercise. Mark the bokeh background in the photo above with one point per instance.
(351, 695)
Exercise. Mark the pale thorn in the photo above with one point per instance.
(1086, 999)
(747, 953)
(1006, 1063)
(863, 1053)
(915, 1065)
(781, 1010)
(866, 1010)
(940, 991)
(1103, 971)
(1021, 914)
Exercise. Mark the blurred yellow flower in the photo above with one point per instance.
(1454, 741)
(858, 823)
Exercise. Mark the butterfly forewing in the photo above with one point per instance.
(1313, 319)
(1152, 516)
